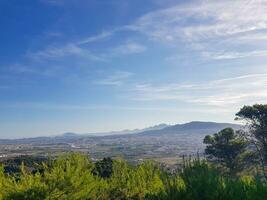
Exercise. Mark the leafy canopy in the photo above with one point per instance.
(227, 148)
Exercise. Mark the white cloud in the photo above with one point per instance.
(116, 79)
(95, 38)
(223, 92)
(56, 52)
(102, 35)
(76, 49)
(210, 26)
(205, 19)
(234, 55)
(127, 48)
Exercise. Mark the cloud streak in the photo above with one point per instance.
(76, 50)
(58, 52)
(213, 26)
(96, 38)
(116, 79)
(234, 55)
(73, 107)
(223, 92)
(127, 48)
(214, 19)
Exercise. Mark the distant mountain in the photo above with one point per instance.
(134, 131)
(69, 135)
(195, 127)
(160, 141)
(157, 127)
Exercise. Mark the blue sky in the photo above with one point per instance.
(92, 66)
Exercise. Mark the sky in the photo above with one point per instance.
(89, 66)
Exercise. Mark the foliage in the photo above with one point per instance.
(103, 168)
(228, 149)
(256, 133)
(76, 177)
(32, 163)
(70, 177)
(135, 183)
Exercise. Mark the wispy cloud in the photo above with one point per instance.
(127, 48)
(230, 91)
(96, 38)
(234, 55)
(205, 19)
(75, 49)
(51, 71)
(56, 52)
(98, 107)
(116, 79)
(213, 26)
(209, 26)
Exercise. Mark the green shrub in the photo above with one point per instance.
(70, 177)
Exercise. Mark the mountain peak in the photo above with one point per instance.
(194, 127)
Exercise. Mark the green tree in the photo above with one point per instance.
(256, 130)
(135, 183)
(103, 168)
(227, 148)
(70, 178)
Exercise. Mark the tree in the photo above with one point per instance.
(103, 168)
(226, 148)
(256, 130)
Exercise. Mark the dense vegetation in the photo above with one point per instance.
(226, 172)
(74, 176)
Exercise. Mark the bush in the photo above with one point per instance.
(71, 177)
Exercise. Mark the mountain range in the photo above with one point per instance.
(194, 127)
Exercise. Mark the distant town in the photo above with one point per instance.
(163, 143)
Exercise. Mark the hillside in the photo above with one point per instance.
(163, 143)
(195, 127)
